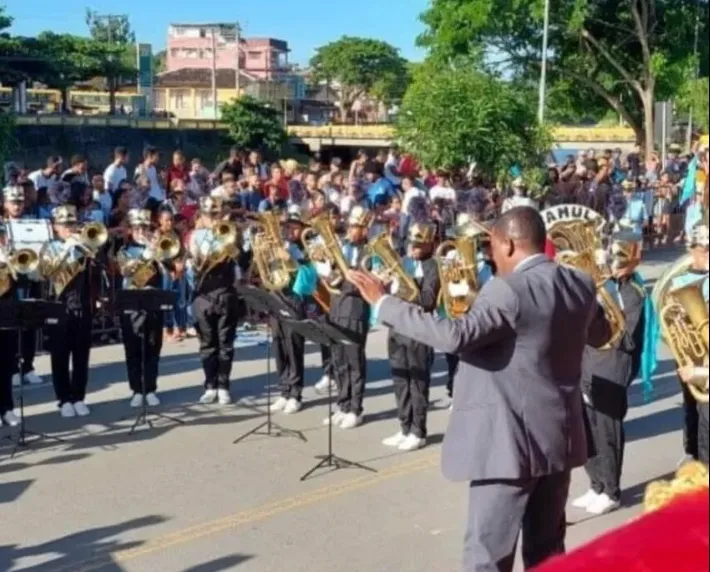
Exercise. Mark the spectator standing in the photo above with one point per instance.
(178, 170)
(116, 171)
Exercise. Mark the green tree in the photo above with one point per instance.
(624, 53)
(695, 95)
(159, 61)
(71, 59)
(450, 117)
(253, 124)
(113, 49)
(20, 58)
(361, 66)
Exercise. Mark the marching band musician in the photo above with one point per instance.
(215, 306)
(141, 328)
(27, 287)
(697, 423)
(411, 361)
(608, 373)
(8, 338)
(470, 207)
(290, 346)
(72, 339)
(349, 311)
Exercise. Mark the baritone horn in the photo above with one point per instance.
(458, 273)
(23, 261)
(325, 248)
(390, 267)
(167, 247)
(274, 265)
(684, 324)
(93, 236)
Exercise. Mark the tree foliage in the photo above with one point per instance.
(361, 66)
(252, 124)
(695, 95)
(623, 53)
(450, 117)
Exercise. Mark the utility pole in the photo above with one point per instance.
(112, 81)
(543, 67)
(689, 135)
(214, 74)
(238, 34)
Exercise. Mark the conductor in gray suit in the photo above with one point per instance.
(517, 429)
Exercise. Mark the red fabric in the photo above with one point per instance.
(672, 539)
(188, 211)
(550, 249)
(177, 173)
(408, 166)
(282, 185)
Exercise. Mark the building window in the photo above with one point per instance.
(254, 55)
(180, 99)
(203, 33)
(206, 100)
(174, 53)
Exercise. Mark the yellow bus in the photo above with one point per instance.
(38, 100)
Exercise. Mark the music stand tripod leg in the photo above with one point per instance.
(272, 429)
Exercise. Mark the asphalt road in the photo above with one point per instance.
(184, 498)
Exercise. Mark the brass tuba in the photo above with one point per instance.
(391, 268)
(576, 242)
(325, 247)
(683, 315)
(458, 274)
(274, 265)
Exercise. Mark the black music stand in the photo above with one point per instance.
(326, 334)
(22, 315)
(261, 301)
(146, 300)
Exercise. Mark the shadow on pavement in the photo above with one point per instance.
(92, 548)
(658, 423)
(219, 564)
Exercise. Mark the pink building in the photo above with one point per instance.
(191, 46)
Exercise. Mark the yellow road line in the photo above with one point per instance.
(251, 515)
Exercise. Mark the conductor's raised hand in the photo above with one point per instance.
(371, 289)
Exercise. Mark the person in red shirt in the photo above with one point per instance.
(278, 180)
(178, 170)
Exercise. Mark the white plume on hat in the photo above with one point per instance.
(699, 235)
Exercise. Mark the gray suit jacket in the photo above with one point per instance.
(517, 405)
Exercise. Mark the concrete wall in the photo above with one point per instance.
(34, 143)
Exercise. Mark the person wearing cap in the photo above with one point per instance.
(215, 306)
(8, 343)
(635, 216)
(290, 346)
(519, 197)
(70, 341)
(142, 332)
(28, 286)
(607, 374)
(411, 361)
(349, 311)
(696, 423)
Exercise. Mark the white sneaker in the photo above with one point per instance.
(395, 440)
(67, 410)
(136, 400)
(278, 405)
(16, 380)
(412, 443)
(602, 505)
(81, 409)
(292, 406)
(152, 400)
(224, 397)
(321, 386)
(32, 378)
(335, 419)
(585, 500)
(11, 419)
(350, 421)
(208, 397)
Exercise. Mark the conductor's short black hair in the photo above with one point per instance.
(523, 225)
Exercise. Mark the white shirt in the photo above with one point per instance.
(439, 192)
(390, 168)
(113, 175)
(409, 195)
(40, 180)
(105, 201)
(151, 173)
(517, 201)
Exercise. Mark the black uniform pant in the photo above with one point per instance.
(290, 348)
(71, 341)
(216, 315)
(8, 366)
(691, 423)
(452, 365)
(703, 436)
(326, 361)
(605, 418)
(142, 353)
(349, 365)
(29, 348)
(411, 375)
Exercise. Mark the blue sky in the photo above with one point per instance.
(305, 24)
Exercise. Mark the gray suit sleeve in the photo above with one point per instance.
(491, 318)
